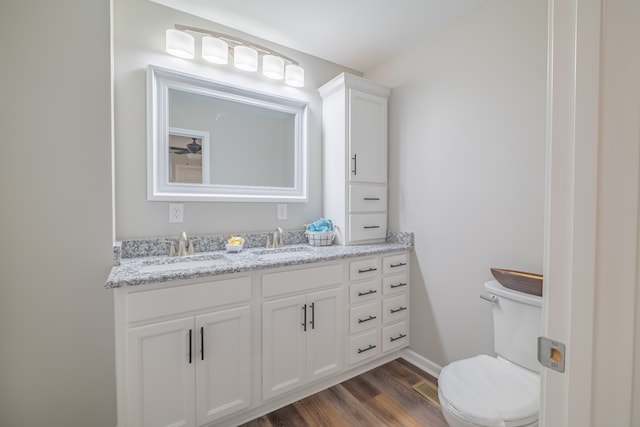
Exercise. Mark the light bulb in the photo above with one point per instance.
(215, 50)
(273, 67)
(245, 58)
(294, 75)
(180, 44)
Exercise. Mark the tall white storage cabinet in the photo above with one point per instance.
(355, 158)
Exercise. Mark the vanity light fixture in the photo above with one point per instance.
(217, 47)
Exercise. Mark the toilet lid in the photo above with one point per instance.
(489, 391)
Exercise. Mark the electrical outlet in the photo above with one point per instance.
(282, 211)
(176, 212)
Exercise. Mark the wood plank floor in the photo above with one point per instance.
(380, 397)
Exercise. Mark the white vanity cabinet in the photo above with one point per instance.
(355, 158)
(188, 353)
(223, 350)
(302, 329)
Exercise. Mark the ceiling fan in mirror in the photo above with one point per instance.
(192, 148)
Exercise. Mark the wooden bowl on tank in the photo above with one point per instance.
(529, 283)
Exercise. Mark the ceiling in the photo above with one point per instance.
(358, 34)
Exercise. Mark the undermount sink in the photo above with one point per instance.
(186, 263)
(280, 253)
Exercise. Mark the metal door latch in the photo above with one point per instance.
(551, 354)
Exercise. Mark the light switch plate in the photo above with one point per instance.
(551, 354)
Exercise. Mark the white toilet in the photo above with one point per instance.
(498, 391)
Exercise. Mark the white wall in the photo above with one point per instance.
(56, 318)
(139, 27)
(466, 166)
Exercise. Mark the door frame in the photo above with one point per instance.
(591, 284)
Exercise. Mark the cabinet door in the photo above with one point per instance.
(324, 333)
(223, 363)
(161, 374)
(283, 345)
(367, 137)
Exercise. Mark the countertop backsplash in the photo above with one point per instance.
(138, 248)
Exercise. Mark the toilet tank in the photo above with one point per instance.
(517, 324)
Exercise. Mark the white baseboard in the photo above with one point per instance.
(421, 362)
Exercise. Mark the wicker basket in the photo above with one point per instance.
(320, 238)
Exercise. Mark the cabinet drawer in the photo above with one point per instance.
(395, 336)
(364, 269)
(395, 284)
(364, 291)
(395, 263)
(367, 227)
(364, 347)
(301, 280)
(364, 317)
(394, 308)
(367, 198)
(181, 299)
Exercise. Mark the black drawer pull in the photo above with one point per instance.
(398, 285)
(362, 350)
(201, 342)
(400, 264)
(372, 198)
(367, 227)
(372, 291)
(190, 345)
(367, 319)
(395, 310)
(304, 322)
(367, 270)
(399, 337)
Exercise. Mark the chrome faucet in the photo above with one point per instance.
(184, 246)
(278, 240)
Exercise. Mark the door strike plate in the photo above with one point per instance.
(551, 354)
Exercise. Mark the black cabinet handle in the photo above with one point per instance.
(395, 310)
(304, 323)
(399, 337)
(372, 291)
(400, 264)
(367, 319)
(313, 315)
(362, 350)
(367, 270)
(190, 345)
(201, 342)
(372, 198)
(398, 285)
(367, 227)
(355, 165)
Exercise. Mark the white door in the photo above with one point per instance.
(367, 137)
(223, 363)
(283, 345)
(161, 377)
(324, 333)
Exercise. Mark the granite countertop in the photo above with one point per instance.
(157, 269)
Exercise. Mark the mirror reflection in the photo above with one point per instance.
(247, 145)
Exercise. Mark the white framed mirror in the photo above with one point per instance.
(209, 141)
